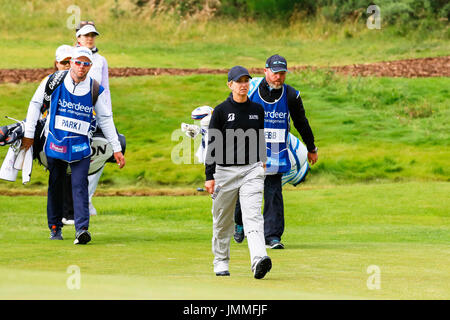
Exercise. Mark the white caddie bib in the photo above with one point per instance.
(72, 125)
(274, 135)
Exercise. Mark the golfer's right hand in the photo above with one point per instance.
(26, 143)
(120, 159)
(209, 186)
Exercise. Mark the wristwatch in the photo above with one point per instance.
(315, 150)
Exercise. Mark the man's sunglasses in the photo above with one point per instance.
(79, 63)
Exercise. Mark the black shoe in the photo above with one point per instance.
(56, 233)
(223, 274)
(262, 267)
(82, 237)
(239, 233)
(276, 244)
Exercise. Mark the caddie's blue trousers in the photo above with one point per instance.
(273, 208)
(80, 194)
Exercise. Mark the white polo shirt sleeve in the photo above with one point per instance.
(105, 121)
(34, 109)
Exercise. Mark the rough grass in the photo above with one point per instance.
(145, 40)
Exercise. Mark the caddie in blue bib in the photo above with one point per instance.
(70, 119)
(276, 128)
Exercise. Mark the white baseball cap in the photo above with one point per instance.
(63, 52)
(88, 28)
(82, 52)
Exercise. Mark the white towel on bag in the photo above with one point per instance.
(7, 171)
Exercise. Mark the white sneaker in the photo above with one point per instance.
(67, 222)
(221, 268)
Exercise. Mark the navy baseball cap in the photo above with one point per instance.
(276, 63)
(236, 72)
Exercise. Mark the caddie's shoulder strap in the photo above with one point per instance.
(55, 80)
(52, 83)
(95, 91)
(254, 85)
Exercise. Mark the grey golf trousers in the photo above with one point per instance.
(248, 182)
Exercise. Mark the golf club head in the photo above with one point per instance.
(15, 134)
(6, 130)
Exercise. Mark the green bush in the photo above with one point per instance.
(392, 12)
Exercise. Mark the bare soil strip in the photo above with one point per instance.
(409, 68)
(145, 192)
(110, 193)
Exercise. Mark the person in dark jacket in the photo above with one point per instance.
(281, 103)
(234, 165)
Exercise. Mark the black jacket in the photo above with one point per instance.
(241, 126)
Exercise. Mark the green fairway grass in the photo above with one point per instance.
(160, 248)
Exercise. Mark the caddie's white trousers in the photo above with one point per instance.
(248, 182)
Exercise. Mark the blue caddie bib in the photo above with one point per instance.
(70, 118)
(276, 128)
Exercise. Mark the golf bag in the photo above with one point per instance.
(101, 150)
(298, 156)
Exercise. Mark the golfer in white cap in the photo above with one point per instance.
(67, 140)
(63, 55)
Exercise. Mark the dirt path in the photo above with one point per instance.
(146, 192)
(409, 68)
